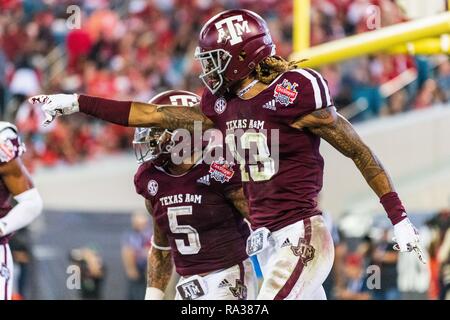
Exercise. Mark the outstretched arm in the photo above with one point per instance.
(169, 117)
(159, 267)
(125, 113)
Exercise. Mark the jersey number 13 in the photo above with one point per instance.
(262, 155)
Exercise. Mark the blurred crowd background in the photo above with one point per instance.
(360, 258)
(135, 49)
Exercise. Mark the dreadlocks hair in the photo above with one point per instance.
(271, 67)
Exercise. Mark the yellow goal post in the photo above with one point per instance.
(422, 36)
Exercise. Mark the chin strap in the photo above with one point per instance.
(247, 88)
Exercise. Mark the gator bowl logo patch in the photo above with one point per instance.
(221, 170)
(286, 92)
(4, 272)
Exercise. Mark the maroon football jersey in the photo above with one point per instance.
(205, 231)
(10, 149)
(281, 167)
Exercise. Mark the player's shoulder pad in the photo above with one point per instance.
(10, 144)
(139, 177)
(311, 85)
(206, 94)
(209, 103)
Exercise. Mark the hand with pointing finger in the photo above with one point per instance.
(54, 105)
(407, 238)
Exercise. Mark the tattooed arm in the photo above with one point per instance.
(159, 266)
(237, 198)
(329, 125)
(337, 131)
(124, 113)
(169, 117)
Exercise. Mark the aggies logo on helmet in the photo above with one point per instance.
(183, 100)
(232, 29)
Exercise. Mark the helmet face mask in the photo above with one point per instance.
(150, 144)
(214, 64)
(155, 144)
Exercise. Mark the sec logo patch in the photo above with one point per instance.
(152, 187)
(220, 105)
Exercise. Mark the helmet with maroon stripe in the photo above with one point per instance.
(155, 143)
(231, 44)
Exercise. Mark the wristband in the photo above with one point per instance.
(109, 110)
(154, 245)
(393, 207)
(153, 293)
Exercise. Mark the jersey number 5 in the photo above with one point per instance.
(194, 241)
(262, 156)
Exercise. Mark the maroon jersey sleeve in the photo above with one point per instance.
(303, 91)
(139, 180)
(207, 104)
(10, 145)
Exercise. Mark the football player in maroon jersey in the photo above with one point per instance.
(15, 183)
(198, 213)
(272, 115)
